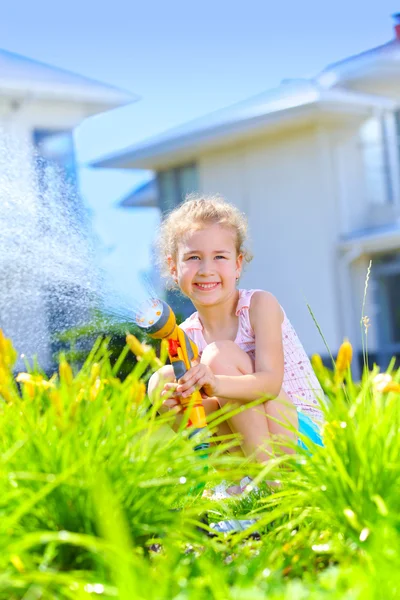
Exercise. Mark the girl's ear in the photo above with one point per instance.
(172, 267)
(239, 262)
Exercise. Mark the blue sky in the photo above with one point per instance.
(184, 60)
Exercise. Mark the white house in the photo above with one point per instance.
(43, 246)
(315, 165)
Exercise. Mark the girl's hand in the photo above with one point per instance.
(172, 401)
(198, 377)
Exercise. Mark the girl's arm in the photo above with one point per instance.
(266, 319)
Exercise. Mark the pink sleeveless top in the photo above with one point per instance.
(299, 379)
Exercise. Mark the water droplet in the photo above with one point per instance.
(74, 585)
(321, 547)
(88, 588)
(266, 573)
(182, 480)
(343, 424)
(349, 513)
(98, 588)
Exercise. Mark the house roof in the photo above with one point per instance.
(372, 240)
(288, 105)
(383, 60)
(144, 196)
(22, 77)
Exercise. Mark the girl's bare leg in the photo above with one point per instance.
(255, 425)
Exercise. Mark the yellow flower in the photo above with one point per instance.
(384, 383)
(8, 355)
(137, 391)
(343, 360)
(55, 398)
(393, 386)
(95, 389)
(135, 345)
(74, 405)
(34, 382)
(143, 350)
(65, 371)
(4, 375)
(316, 362)
(5, 392)
(94, 372)
(17, 563)
(328, 429)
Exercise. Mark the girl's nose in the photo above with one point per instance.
(206, 267)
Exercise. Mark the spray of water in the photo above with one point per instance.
(47, 278)
(127, 310)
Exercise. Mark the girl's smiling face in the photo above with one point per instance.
(207, 264)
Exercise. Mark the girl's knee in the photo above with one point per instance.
(163, 375)
(224, 357)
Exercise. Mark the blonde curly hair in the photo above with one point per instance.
(196, 212)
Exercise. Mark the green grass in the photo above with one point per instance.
(99, 499)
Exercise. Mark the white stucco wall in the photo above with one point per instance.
(302, 192)
(282, 183)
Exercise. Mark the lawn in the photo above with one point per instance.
(99, 499)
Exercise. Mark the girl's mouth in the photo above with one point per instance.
(206, 287)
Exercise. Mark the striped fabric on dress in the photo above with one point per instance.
(299, 379)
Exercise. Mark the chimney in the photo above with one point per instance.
(396, 18)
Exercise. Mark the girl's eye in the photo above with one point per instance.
(192, 257)
(219, 256)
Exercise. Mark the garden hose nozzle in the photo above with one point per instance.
(157, 319)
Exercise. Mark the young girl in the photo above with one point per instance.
(248, 348)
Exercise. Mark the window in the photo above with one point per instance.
(174, 184)
(374, 148)
(56, 148)
(386, 277)
(56, 172)
(393, 301)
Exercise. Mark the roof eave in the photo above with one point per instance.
(98, 99)
(131, 201)
(360, 66)
(372, 243)
(172, 150)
